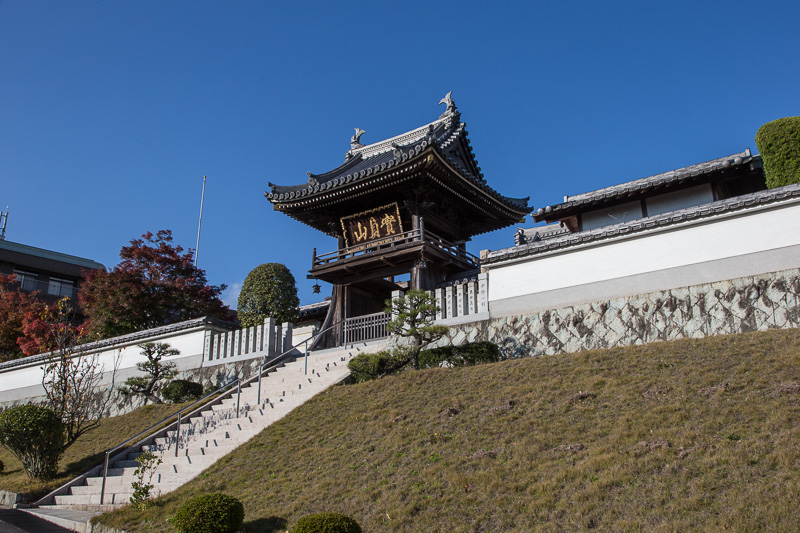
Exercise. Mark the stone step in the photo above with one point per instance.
(218, 430)
(110, 498)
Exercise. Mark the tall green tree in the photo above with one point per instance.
(155, 284)
(269, 290)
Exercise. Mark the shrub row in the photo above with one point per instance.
(220, 513)
(473, 353)
(365, 367)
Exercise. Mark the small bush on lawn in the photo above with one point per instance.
(326, 523)
(182, 390)
(779, 144)
(474, 353)
(2, 466)
(367, 366)
(210, 513)
(36, 436)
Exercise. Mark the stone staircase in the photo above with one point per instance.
(215, 431)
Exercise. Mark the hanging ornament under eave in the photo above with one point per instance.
(316, 288)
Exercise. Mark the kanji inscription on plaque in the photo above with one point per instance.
(372, 225)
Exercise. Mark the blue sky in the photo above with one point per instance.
(111, 112)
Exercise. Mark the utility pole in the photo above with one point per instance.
(200, 222)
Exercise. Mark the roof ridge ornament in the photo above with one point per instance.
(450, 103)
(355, 140)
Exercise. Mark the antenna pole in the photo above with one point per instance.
(3, 222)
(200, 222)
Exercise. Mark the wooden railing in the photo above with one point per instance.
(365, 328)
(387, 244)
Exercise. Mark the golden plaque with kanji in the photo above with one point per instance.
(372, 225)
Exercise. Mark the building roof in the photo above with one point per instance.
(636, 188)
(365, 163)
(641, 225)
(50, 255)
(312, 311)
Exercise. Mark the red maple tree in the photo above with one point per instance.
(15, 305)
(155, 284)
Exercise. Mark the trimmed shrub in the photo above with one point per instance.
(2, 466)
(182, 390)
(268, 290)
(367, 366)
(779, 144)
(474, 353)
(210, 513)
(36, 436)
(326, 523)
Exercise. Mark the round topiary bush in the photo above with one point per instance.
(779, 144)
(2, 466)
(182, 390)
(36, 436)
(326, 523)
(210, 513)
(269, 290)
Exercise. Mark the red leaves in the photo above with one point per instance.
(155, 284)
(15, 306)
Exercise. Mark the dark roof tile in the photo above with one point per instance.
(642, 224)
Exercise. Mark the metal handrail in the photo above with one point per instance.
(267, 364)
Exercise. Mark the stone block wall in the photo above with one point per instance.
(751, 303)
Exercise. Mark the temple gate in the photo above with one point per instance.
(402, 207)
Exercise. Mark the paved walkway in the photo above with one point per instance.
(16, 521)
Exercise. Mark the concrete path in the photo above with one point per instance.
(18, 521)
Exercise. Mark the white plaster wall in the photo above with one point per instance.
(728, 236)
(611, 215)
(302, 334)
(24, 381)
(664, 203)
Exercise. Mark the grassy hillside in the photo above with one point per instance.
(688, 435)
(86, 452)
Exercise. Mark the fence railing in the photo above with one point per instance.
(462, 299)
(365, 328)
(266, 339)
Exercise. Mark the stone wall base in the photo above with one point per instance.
(753, 303)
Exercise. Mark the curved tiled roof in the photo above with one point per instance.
(648, 223)
(447, 135)
(622, 190)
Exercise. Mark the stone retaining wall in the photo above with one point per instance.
(751, 303)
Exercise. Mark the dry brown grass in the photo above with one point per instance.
(85, 453)
(688, 435)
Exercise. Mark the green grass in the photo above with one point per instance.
(681, 436)
(86, 452)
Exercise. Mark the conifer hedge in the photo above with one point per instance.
(779, 144)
